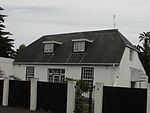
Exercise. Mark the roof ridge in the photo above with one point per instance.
(75, 32)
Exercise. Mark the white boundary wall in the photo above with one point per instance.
(99, 98)
(70, 107)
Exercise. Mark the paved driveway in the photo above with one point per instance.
(17, 110)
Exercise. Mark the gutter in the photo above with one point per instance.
(77, 64)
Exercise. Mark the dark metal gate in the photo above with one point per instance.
(52, 97)
(19, 93)
(124, 100)
(1, 91)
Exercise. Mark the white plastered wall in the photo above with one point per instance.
(103, 74)
(41, 71)
(124, 79)
(6, 65)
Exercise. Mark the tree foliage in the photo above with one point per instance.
(144, 53)
(14, 77)
(81, 87)
(21, 48)
(6, 44)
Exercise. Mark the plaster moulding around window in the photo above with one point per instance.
(78, 40)
(51, 42)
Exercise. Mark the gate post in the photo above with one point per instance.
(5, 91)
(98, 97)
(33, 93)
(148, 98)
(71, 97)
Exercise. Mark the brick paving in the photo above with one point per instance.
(17, 110)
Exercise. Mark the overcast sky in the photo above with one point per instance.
(28, 20)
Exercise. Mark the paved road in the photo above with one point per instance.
(17, 110)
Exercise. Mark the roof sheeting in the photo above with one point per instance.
(107, 47)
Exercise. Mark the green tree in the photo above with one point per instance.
(6, 44)
(145, 39)
(21, 48)
(14, 77)
(81, 87)
(144, 53)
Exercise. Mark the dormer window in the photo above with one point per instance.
(80, 45)
(51, 46)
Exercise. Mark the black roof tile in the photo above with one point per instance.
(107, 47)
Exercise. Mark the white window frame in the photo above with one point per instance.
(79, 46)
(29, 72)
(88, 75)
(48, 47)
(54, 73)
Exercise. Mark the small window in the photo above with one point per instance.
(131, 55)
(62, 78)
(56, 75)
(49, 48)
(29, 73)
(79, 46)
(133, 84)
(88, 75)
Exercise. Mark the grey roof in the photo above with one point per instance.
(107, 47)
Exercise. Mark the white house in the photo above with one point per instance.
(95, 56)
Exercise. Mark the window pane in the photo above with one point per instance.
(82, 46)
(48, 48)
(87, 75)
(79, 46)
(29, 73)
(56, 78)
(56, 75)
(50, 71)
(62, 78)
(50, 78)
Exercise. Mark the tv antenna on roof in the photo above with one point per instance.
(114, 19)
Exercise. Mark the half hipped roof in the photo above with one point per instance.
(107, 47)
